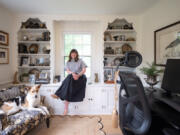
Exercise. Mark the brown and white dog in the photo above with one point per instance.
(32, 102)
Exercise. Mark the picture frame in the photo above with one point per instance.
(108, 74)
(43, 75)
(167, 43)
(4, 38)
(4, 55)
(24, 61)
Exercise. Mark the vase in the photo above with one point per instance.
(151, 80)
(96, 78)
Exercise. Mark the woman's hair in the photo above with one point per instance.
(77, 55)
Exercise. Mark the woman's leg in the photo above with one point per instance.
(66, 103)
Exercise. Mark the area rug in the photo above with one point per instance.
(71, 125)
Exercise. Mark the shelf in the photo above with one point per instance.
(119, 42)
(121, 67)
(29, 54)
(33, 30)
(113, 55)
(121, 30)
(40, 67)
(34, 42)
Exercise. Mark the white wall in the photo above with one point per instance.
(163, 13)
(6, 24)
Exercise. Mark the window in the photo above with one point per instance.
(81, 42)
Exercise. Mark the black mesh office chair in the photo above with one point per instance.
(134, 112)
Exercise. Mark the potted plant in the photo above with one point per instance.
(151, 72)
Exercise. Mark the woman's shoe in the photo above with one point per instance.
(54, 96)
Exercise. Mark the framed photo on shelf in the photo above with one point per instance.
(4, 38)
(108, 74)
(24, 61)
(167, 43)
(4, 55)
(43, 75)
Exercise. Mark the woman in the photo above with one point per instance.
(73, 87)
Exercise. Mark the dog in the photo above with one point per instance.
(10, 107)
(32, 101)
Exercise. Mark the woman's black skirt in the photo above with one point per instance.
(72, 90)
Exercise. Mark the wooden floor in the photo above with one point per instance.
(106, 120)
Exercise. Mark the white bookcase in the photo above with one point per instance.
(27, 61)
(123, 37)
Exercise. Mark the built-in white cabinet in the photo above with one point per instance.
(99, 99)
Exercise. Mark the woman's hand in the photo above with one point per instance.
(75, 76)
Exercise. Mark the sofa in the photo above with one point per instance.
(23, 121)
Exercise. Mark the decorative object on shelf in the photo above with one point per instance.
(96, 80)
(4, 55)
(32, 61)
(42, 62)
(24, 77)
(117, 61)
(151, 72)
(107, 36)
(122, 38)
(125, 48)
(43, 75)
(22, 48)
(167, 43)
(35, 71)
(16, 78)
(116, 38)
(46, 36)
(25, 38)
(130, 39)
(109, 50)
(57, 78)
(118, 50)
(33, 48)
(32, 78)
(108, 75)
(46, 49)
(105, 62)
(24, 61)
(4, 38)
(33, 23)
(120, 24)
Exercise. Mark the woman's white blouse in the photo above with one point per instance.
(75, 66)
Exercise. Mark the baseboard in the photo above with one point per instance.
(5, 83)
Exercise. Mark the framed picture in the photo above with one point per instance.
(43, 75)
(108, 74)
(4, 38)
(25, 61)
(4, 55)
(167, 43)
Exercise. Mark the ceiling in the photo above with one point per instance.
(80, 7)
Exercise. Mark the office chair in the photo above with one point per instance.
(134, 112)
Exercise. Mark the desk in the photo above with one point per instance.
(166, 107)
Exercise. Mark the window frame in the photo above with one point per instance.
(63, 49)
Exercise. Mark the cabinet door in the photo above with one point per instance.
(84, 107)
(104, 100)
(55, 105)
